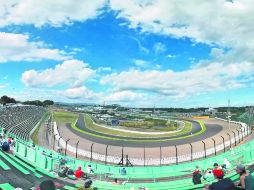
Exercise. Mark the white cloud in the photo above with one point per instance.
(54, 13)
(124, 96)
(214, 77)
(17, 47)
(141, 63)
(79, 93)
(171, 56)
(159, 48)
(71, 72)
(218, 21)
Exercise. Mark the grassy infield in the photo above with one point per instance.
(68, 117)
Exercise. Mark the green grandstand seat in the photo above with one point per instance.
(7, 186)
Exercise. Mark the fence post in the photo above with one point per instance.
(229, 140)
(77, 149)
(176, 154)
(234, 137)
(204, 148)
(191, 151)
(66, 146)
(91, 158)
(223, 140)
(239, 140)
(106, 155)
(54, 141)
(144, 156)
(160, 155)
(214, 144)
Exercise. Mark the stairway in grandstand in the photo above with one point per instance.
(20, 120)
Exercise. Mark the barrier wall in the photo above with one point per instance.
(238, 136)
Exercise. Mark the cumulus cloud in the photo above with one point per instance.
(79, 93)
(17, 47)
(141, 63)
(48, 12)
(71, 72)
(214, 77)
(124, 96)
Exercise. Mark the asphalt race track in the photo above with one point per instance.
(211, 130)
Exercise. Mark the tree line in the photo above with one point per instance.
(8, 100)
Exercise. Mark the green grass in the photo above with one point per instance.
(35, 133)
(203, 129)
(64, 117)
(92, 126)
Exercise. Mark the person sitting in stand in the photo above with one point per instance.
(123, 171)
(87, 185)
(89, 169)
(65, 171)
(196, 176)
(221, 184)
(79, 173)
(246, 179)
(116, 182)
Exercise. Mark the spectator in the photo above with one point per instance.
(116, 182)
(196, 176)
(208, 176)
(87, 185)
(246, 180)
(221, 184)
(5, 146)
(123, 171)
(79, 173)
(89, 169)
(226, 164)
(47, 185)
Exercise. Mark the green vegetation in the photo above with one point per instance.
(92, 126)
(203, 129)
(65, 117)
(151, 122)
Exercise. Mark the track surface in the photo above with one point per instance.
(212, 129)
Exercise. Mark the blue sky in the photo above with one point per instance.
(132, 52)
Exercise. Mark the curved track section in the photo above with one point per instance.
(141, 142)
